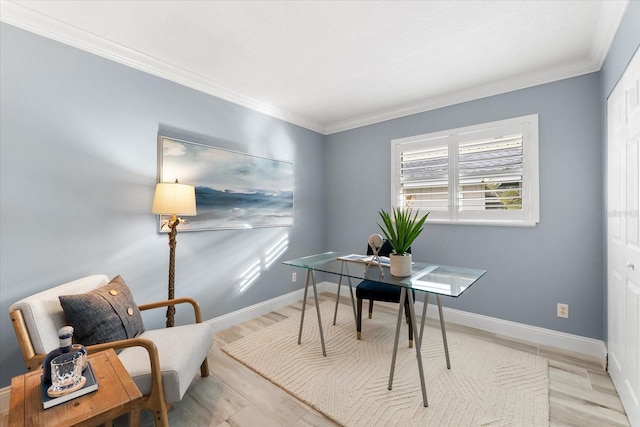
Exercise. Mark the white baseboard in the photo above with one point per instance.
(532, 334)
(230, 319)
(546, 337)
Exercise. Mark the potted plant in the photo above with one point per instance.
(400, 231)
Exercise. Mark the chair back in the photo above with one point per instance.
(385, 249)
(43, 315)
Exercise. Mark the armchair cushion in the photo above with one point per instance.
(105, 314)
(182, 350)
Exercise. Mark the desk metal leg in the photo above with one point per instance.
(335, 312)
(311, 278)
(403, 294)
(315, 297)
(442, 327)
(343, 266)
(424, 316)
(412, 313)
(353, 301)
(444, 332)
(304, 305)
(412, 316)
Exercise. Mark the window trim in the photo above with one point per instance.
(529, 216)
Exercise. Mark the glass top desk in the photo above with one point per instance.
(428, 278)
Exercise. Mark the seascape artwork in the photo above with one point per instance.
(233, 190)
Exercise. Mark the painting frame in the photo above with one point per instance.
(234, 190)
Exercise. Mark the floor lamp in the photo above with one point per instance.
(173, 199)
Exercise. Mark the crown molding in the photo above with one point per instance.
(32, 21)
(611, 16)
(484, 91)
(29, 20)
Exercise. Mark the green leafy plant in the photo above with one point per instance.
(403, 229)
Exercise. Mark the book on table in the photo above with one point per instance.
(90, 386)
(367, 259)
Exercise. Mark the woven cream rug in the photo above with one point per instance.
(488, 385)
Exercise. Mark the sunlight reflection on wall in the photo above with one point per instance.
(249, 276)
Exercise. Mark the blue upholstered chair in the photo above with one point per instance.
(376, 291)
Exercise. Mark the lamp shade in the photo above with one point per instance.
(174, 198)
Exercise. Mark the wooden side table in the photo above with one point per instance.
(117, 394)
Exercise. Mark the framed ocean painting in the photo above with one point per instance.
(233, 190)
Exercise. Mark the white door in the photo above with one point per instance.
(623, 238)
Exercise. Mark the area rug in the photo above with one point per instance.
(487, 385)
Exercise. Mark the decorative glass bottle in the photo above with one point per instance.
(82, 350)
(65, 334)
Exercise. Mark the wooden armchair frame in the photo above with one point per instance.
(154, 401)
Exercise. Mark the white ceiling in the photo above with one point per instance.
(336, 65)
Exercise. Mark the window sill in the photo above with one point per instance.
(495, 223)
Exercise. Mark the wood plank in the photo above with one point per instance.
(17, 404)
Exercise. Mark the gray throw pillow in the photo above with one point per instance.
(105, 314)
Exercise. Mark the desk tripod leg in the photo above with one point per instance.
(403, 295)
(412, 313)
(424, 316)
(335, 312)
(444, 333)
(315, 297)
(304, 305)
(353, 302)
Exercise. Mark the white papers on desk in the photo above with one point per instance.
(367, 259)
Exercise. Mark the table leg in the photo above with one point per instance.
(311, 278)
(418, 346)
(134, 417)
(353, 302)
(444, 333)
(315, 297)
(304, 304)
(403, 295)
(424, 315)
(335, 312)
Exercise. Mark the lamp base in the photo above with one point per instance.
(173, 231)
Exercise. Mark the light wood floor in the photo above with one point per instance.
(580, 391)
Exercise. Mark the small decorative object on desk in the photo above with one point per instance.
(375, 243)
(64, 334)
(89, 385)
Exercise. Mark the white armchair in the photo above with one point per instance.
(162, 362)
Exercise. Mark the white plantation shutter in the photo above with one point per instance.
(490, 174)
(424, 177)
(484, 174)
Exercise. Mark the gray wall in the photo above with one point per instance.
(78, 170)
(529, 269)
(625, 44)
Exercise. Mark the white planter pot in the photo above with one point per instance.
(400, 265)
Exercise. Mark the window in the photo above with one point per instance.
(482, 174)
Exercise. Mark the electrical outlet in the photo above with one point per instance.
(294, 277)
(563, 310)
